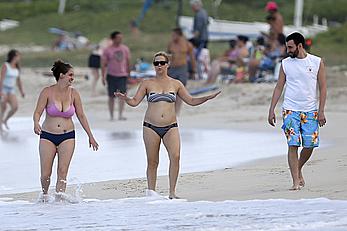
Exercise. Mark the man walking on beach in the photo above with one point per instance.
(115, 71)
(301, 72)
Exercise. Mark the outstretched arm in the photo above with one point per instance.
(322, 83)
(136, 100)
(83, 120)
(190, 100)
(40, 106)
(276, 96)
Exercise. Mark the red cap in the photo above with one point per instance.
(271, 6)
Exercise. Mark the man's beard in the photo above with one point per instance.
(294, 54)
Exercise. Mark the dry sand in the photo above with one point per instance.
(240, 106)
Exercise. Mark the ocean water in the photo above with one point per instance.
(158, 213)
(122, 154)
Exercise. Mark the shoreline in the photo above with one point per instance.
(266, 178)
(240, 106)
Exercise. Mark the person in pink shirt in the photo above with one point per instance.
(115, 70)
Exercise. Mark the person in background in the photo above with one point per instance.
(200, 24)
(9, 78)
(234, 57)
(180, 49)
(274, 19)
(94, 62)
(115, 71)
(57, 133)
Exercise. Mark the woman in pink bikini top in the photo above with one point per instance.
(57, 135)
(53, 111)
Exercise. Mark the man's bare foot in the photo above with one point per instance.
(122, 118)
(301, 180)
(295, 187)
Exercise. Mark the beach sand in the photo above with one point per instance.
(241, 106)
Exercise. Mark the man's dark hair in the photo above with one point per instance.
(114, 34)
(178, 31)
(297, 38)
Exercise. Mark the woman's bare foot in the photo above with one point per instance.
(173, 196)
(6, 125)
(122, 118)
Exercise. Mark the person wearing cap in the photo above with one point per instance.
(274, 18)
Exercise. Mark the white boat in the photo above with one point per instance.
(6, 24)
(222, 30)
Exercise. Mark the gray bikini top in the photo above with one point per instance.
(156, 97)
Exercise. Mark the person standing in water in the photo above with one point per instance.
(57, 134)
(160, 122)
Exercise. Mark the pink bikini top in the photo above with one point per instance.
(53, 111)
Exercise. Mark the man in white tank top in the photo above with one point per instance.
(302, 73)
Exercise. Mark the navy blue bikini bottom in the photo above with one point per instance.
(57, 139)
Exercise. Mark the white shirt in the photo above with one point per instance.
(11, 75)
(301, 83)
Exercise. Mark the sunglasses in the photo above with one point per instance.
(162, 63)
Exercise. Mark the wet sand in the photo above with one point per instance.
(242, 106)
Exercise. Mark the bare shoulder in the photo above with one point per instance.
(45, 90)
(74, 91)
(176, 83)
(147, 82)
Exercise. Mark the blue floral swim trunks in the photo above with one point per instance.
(301, 128)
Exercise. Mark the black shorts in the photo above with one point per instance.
(115, 83)
(94, 61)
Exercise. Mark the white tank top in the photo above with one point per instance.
(301, 83)
(11, 76)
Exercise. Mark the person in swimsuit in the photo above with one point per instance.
(8, 79)
(57, 135)
(180, 49)
(160, 122)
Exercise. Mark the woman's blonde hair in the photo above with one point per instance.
(162, 53)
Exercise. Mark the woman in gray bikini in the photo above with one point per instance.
(160, 121)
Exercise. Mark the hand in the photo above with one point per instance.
(121, 95)
(22, 94)
(93, 144)
(37, 129)
(271, 118)
(321, 119)
(213, 95)
(103, 81)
